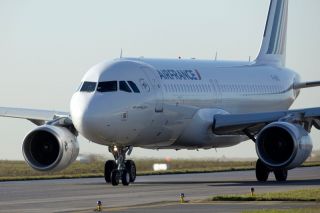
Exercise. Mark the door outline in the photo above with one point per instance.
(156, 86)
(217, 96)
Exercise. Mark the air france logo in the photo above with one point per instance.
(170, 74)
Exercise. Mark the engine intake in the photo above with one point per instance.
(283, 145)
(50, 148)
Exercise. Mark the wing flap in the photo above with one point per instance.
(239, 124)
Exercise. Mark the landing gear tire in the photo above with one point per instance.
(125, 178)
(109, 166)
(131, 168)
(262, 171)
(115, 177)
(122, 169)
(281, 175)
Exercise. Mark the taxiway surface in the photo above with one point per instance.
(81, 195)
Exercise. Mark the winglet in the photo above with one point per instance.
(273, 48)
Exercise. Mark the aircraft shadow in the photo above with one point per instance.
(237, 183)
(309, 182)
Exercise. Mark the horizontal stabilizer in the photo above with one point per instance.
(302, 85)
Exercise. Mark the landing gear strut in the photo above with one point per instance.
(120, 168)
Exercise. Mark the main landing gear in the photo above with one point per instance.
(120, 168)
(262, 172)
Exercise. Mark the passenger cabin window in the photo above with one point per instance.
(88, 86)
(134, 87)
(123, 86)
(107, 86)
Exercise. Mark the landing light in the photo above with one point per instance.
(160, 167)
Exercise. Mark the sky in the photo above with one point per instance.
(47, 46)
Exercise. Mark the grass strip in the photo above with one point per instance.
(306, 210)
(296, 195)
(19, 170)
(95, 175)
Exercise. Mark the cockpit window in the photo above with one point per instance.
(88, 86)
(123, 86)
(79, 87)
(134, 87)
(107, 86)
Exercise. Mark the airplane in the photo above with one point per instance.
(181, 104)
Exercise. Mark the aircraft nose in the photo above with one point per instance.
(82, 113)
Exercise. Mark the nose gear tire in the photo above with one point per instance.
(109, 166)
(115, 177)
(131, 168)
(125, 178)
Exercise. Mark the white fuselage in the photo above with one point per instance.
(177, 100)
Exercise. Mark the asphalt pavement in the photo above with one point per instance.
(157, 193)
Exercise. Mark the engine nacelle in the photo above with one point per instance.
(50, 148)
(283, 145)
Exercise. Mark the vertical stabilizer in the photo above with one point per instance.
(273, 48)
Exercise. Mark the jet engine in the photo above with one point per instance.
(50, 148)
(283, 145)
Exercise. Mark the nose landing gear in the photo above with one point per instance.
(120, 168)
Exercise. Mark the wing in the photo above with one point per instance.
(38, 117)
(250, 124)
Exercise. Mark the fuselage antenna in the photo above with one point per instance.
(121, 53)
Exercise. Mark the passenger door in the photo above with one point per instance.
(156, 87)
(216, 91)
